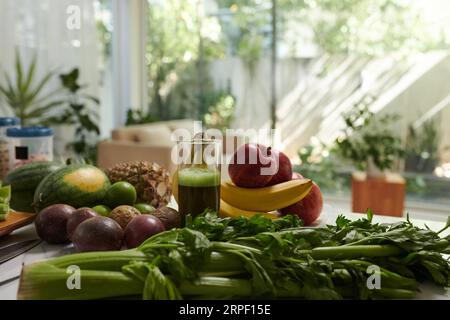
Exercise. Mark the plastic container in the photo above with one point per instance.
(29, 144)
(5, 123)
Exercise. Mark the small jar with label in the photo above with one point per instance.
(29, 144)
(5, 123)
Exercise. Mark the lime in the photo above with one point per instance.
(102, 210)
(144, 207)
(120, 193)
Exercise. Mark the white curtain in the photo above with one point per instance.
(40, 27)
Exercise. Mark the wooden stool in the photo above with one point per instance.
(385, 196)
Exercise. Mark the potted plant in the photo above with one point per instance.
(370, 143)
(64, 107)
(28, 97)
(78, 117)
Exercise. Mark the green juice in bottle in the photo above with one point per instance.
(198, 190)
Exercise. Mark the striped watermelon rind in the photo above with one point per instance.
(78, 185)
(28, 177)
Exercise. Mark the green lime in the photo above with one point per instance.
(120, 193)
(144, 207)
(102, 210)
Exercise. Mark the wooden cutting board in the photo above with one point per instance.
(14, 221)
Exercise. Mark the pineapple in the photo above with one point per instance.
(152, 182)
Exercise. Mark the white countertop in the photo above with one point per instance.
(10, 270)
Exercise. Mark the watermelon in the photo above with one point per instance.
(22, 201)
(77, 185)
(27, 177)
(24, 181)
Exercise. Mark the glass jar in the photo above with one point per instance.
(198, 176)
(5, 123)
(29, 144)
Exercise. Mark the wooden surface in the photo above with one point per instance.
(385, 196)
(14, 221)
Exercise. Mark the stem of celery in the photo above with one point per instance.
(222, 264)
(342, 252)
(382, 293)
(45, 281)
(388, 278)
(104, 260)
(220, 246)
(217, 286)
(393, 293)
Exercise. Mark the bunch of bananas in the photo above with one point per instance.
(236, 201)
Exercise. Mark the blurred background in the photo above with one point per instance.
(357, 88)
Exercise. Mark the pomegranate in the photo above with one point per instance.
(253, 166)
(309, 208)
(284, 172)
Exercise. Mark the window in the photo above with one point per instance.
(212, 60)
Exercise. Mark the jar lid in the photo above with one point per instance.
(29, 132)
(9, 121)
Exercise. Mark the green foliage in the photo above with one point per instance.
(245, 27)
(224, 229)
(182, 41)
(138, 116)
(416, 185)
(81, 115)
(321, 164)
(179, 47)
(421, 151)
(250, 49)
(346, 26)
(221, 114)
(367, 136)
(367, 27)
(27, 97)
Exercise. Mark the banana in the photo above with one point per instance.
(267, 198)
(227, 210)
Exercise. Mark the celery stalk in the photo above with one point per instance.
(393, 293)
(105, 260)
(351, 252)
(100, 277)
(45, 281)
(216, 286)
(4, 211)
(222, 264)
(5, 194)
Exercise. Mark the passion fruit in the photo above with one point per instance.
(51, 223)
(169, 217)
(141, 228)
(123, 215)
(77, 217)
(98, 234)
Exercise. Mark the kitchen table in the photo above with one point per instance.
(10, 270)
